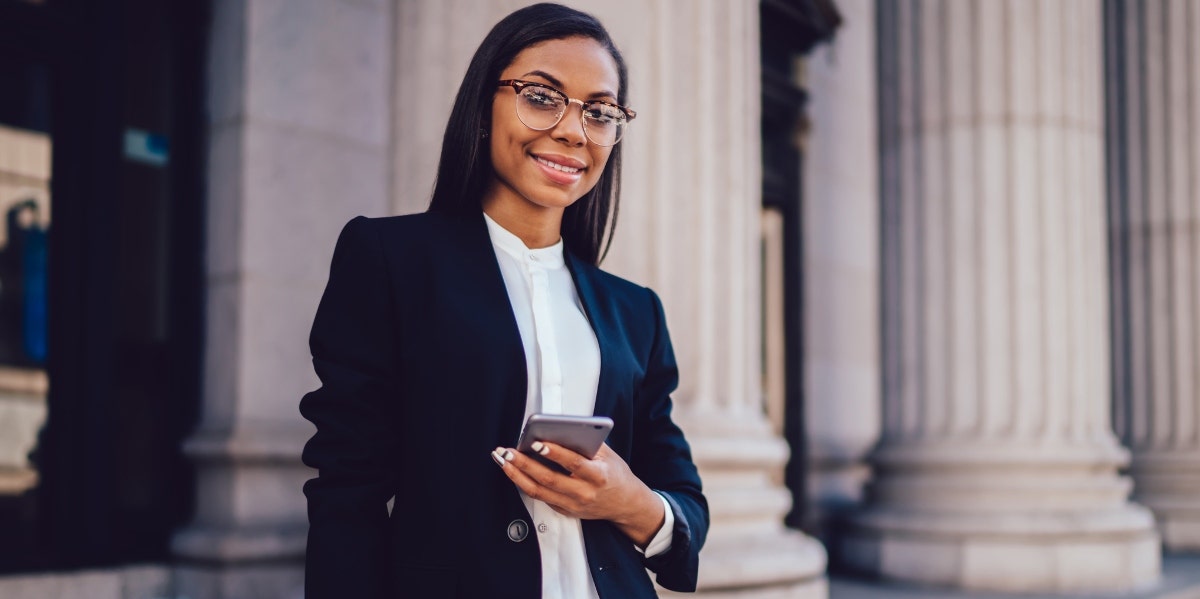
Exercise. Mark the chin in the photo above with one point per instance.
(553, 198)
(559, 203)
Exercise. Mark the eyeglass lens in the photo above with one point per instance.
(541, 108)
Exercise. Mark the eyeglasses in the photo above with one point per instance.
(541, 107)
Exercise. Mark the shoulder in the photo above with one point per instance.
(412, 232)
(629, 298)
(624, 287)
(419, 225)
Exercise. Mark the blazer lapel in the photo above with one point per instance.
(488, 298)
(604, 326)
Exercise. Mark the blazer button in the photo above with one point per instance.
(517, 531)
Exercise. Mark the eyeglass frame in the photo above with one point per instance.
(519, 84)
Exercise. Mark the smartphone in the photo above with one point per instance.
(581, 434)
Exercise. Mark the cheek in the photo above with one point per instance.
(600, 160)
(502, 134)
(505, 148)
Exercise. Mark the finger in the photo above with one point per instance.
(539, 473)
(537, 469)
(577, 465)
(505, 459)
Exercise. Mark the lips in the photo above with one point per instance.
(556, 166)
(563, 170)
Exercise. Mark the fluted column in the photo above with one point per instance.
(1154, 199)
(841, 266)
(433, 45)
(690, 228)
(998, 466)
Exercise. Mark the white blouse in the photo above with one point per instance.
(563, 362)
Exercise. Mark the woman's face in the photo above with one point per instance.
(579, 67)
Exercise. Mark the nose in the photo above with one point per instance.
(569, 129)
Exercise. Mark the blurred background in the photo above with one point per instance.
(931, 269)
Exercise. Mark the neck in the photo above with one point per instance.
(536, 226)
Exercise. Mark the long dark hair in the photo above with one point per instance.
(465, 167)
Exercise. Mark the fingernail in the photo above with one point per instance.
(543, 449)
(499, 460)
(537, 446)
(508, 455)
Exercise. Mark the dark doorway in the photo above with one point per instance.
(790, 28)
(110, 333)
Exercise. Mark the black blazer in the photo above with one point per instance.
(422, 375)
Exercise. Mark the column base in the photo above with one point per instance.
(814, 589)
(242, 545)
(835, 492)
(256, 581)
(1168, 482)
(1179, 527)
(1048, 516)
(785, 563)
(249, 505)
(1109, 551)
(749, 553)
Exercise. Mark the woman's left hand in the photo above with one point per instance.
(602, 488)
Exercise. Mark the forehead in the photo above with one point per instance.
(580, 63)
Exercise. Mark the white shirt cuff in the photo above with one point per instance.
(661, 542)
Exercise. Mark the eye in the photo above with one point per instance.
(604, 114)
(540, 97)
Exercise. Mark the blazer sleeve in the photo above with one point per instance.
(354, 351)
(663, 460)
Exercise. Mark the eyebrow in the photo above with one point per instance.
(556, 83)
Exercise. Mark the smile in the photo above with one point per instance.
(557, 166)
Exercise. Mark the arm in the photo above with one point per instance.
(662, 458)
(354, 354)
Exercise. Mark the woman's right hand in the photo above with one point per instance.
(602, 488)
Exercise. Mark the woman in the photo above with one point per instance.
(439, 333)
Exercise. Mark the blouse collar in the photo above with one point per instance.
(548, 257)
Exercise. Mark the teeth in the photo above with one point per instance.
(556, 166)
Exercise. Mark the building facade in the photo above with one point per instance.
(951, 341)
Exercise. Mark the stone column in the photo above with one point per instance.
(841, 266)
(997, 468)
(298, 144)
(433, 45)
(690, 229)
(1154, 196)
